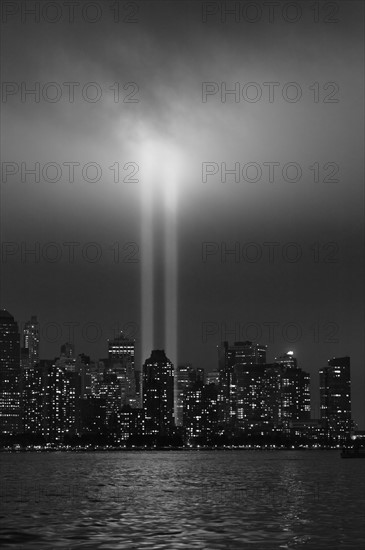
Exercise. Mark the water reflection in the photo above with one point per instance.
(174, 500)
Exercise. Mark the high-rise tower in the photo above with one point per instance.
(121, 352)
(31, 340)
(158, 394)
(232, 359)
(10, 413)
(335, 398)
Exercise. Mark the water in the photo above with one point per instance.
(182, 500)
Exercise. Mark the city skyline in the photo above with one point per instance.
(121, 346)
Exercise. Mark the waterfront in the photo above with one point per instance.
(176, 500)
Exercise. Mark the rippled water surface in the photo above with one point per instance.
(178, 499)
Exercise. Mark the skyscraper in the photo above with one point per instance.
(246, 354)
(186, 376)
(287, 359)
(335, 398)
(120, 347)
(248, 395)
(200, 412)
(121, 352)
(68, 350)
(158, 394)
(287, 394)
(33, 382)
(10, 412)
(62, 391)
(213, 377)
(31, 340)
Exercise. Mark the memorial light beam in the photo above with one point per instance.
(147, 246)
(170, 184)
(160, 174)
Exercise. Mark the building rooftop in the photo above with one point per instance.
(4, 314)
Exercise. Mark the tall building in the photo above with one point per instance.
(158, 394)
(186, 376)
(31, 340)
(246, 354)
(33, 380)
(96, 374)
(67, 357)
(213, 377)
(121, 352)
(287, 359)
(10, 410)
(201, 412)
(85, 369)
(62, 392)
(335, 398)
(68, 350)
(138, 381)
(127, 424)
(287, 395)
(92, 416)
(120, 347)
(248, 395)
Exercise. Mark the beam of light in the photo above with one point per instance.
(160, 163)
(147, 246)
(171, 176)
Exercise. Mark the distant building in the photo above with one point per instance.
(201, 412)
(121, 352)
(92, 416)
(256, 396)
(213, 378)
(186, 377)
(138, 382)
(67, 358)
(307, 431)
(62, 393)
(31, 340)
(127, 424)
(68, 350)
(10, 406)
(287, 394)
(33, 386)
(335, 399)
(247, 354)
(200, 375)
(287, 360)
(248, 395)
(158, 394)
(120, 347)
(84, 368)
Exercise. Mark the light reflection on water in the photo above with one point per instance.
(174, 500)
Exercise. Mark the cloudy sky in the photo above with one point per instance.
(108, 89)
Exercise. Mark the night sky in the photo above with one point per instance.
(313, 304)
